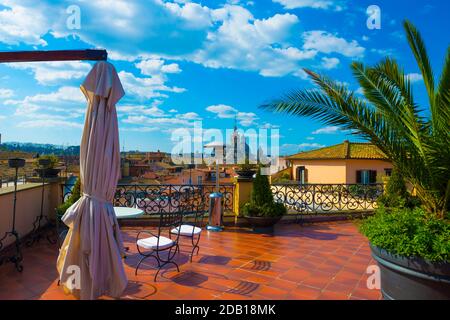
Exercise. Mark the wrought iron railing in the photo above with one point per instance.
(156, 198)
(327, 198)
(9, 181)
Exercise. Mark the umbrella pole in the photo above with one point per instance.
(217, 177)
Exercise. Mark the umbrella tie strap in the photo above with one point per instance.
(89, 196)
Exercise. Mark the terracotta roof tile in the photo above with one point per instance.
(345, 150)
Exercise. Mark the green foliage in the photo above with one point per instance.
(76, 194)
(390, 118)
(396, 194)
(262, 203)
(53, 161)
(284, 177)
(261, 194)
(251, 210)
(363, 191)
(273, 209)
(396, 184)
(409, 233)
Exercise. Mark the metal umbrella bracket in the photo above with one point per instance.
(17, 257)
(41, 220)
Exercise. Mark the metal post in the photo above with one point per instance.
(36, 233)
(16, 258)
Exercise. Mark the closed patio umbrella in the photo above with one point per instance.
(90, 259)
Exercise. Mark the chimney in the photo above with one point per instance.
(347, 149)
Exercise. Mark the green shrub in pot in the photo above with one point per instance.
(410, 233)
(262, 203)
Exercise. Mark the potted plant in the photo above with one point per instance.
(411, 245)
(262, 212)
(45, 166)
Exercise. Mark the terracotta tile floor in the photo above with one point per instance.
(318, 261)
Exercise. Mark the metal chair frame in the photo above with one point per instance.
(198, 215)
(168, 220)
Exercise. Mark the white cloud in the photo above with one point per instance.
(22, 22)
(49, 123)
(157, 66)
(307, 145)
(194, 15)
(327, 130)
(142, 120)
(63, 94)
(383, 52)
(289, 148)
(53, 72)
(189, 116)
(6, 93)
(152, 118)
(316, 4)
(141, 129)
(310, 138)
(414, 77)
(326, 42)
(222, 111)
(151, 111)
(246, 119)
(150, 87)
(54, 107)
(157, 26)
(245, 43)
(330, 63)
(226, 36)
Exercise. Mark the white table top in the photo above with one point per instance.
(127, 213)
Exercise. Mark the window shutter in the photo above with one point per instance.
(372, 176)
(358, 176)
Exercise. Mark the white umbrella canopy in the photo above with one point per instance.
(90, 260)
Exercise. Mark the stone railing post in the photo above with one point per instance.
(242, 193)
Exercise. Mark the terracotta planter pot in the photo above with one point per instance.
(412, 278)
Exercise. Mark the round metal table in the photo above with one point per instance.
(127, 213)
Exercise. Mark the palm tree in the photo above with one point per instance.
(388, 116)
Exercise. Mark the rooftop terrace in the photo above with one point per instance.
(316, 261)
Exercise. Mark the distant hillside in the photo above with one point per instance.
(42, 149)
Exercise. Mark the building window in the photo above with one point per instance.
(388, 172)
(301, 175)
(199, 180)
(366, 176)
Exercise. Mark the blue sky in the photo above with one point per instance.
(184, 61)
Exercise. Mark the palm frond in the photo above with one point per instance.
(418, 48)
(443, 100)
(389, 117)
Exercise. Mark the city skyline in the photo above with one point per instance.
(186, 61)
